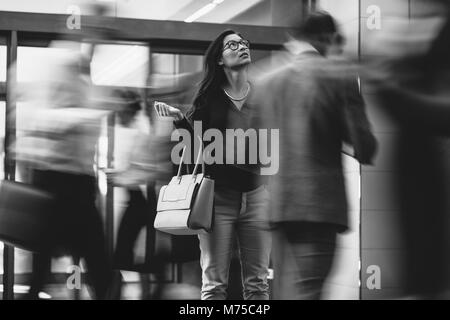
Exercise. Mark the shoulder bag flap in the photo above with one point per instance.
(179, 193)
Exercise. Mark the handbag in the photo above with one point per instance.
(186, 204)
(25, 216)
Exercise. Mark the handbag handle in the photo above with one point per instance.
(200, 154)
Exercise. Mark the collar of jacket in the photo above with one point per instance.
(297, 47)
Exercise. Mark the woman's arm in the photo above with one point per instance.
(181, 121)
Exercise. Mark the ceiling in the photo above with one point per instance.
(177, 10)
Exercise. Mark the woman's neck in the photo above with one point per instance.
(237, 80)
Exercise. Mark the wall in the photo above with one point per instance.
(380, 243)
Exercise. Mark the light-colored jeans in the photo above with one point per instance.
(243, 215)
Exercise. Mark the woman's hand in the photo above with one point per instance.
(164, 110)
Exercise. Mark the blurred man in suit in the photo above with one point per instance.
(316, 108)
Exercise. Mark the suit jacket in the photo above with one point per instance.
(316, 109)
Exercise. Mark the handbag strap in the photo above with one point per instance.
(197, 161)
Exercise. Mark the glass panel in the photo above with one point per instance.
(163, 63)
(120, 65)
(34, 63)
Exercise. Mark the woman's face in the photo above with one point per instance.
(235, 52)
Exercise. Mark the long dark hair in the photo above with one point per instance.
(214, 76)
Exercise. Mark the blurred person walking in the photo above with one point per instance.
(142, 158)
(131, 172)
(59, 148)
(317, 109)
(241, 196)
(139, 210)
(410, 79)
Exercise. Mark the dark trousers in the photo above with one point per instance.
(140, 213)
(313, 248)
(77, 229)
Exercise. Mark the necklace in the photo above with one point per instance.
(238, 99)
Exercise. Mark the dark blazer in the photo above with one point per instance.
(316, 108)
(216, 114)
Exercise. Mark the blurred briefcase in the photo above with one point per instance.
(25, 216)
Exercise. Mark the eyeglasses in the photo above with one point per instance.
(234, 45)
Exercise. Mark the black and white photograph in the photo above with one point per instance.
(246, 151)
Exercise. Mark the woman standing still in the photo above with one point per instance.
(241, 196)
